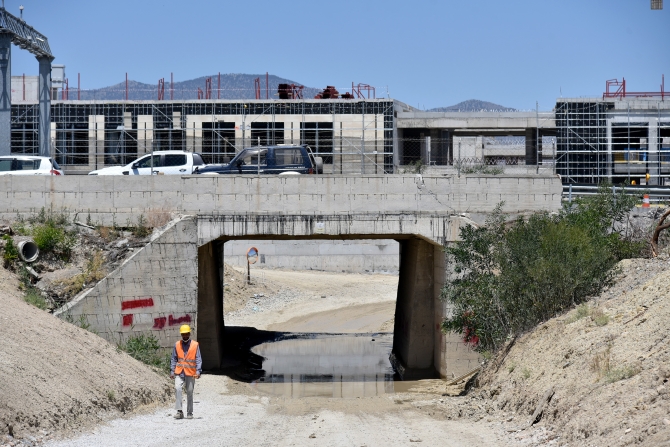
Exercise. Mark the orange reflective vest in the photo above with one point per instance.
(186, 362)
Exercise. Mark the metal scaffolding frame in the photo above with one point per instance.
(87, 135)
(613, 140)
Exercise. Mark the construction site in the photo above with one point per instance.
(435, 282)
(621, 137)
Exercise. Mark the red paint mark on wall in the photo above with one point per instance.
(135, 304)
(159, 323)
(128, 320)
(175, 321)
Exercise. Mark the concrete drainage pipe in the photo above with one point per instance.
(27, 249)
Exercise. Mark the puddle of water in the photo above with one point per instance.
(341, 366)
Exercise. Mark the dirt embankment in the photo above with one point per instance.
(608, 366)
(56, 376)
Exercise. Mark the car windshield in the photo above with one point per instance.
(146, 162)
(250, 157)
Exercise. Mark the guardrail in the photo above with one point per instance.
(657, 194)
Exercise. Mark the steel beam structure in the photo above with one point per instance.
(16, 31)
(5, 93)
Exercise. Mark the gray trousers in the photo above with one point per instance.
(178, 384)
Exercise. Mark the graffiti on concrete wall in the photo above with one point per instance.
(148, 302)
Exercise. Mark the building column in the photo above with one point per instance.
(45, 106)
(5, 93)
(531, 146)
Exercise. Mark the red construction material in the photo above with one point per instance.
(208, 88)
(330, 92)
(200, 93)
(65, 93)
(621, 92)
(171, 86)
(257, 87)
(161, 89)
(290, 91)
(358, 90)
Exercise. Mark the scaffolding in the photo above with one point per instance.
(350, 136)
(615, 140)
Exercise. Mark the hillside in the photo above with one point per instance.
(59, 377)
(233, 86)
(474, 105)
(607, 365)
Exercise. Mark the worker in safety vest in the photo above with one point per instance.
(185, 367)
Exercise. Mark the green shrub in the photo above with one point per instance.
(10, 253)
(625, 372)
(141, 230)
(599, 317)
(582, 311)
(146, 349)
(35, 298)
(50, 238)
(483, 169)
(510, 277)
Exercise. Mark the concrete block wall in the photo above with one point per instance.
(351, 256)
(121, 199)
(154, 291)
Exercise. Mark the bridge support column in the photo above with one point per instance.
(44, 126)
(414, 333)
(210, 307)
(5, 93)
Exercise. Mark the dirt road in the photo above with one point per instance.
(232, 413)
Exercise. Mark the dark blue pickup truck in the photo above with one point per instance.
(279, 160)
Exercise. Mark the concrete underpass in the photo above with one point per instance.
(418, 345)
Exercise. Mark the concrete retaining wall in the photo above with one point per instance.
(351, 256)
(154, 291)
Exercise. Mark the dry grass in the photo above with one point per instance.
(599, 317)
(158, 217)
(601, 364)
(93, 272)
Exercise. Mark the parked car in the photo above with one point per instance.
(28, 165)
(280, 159)
(163, 162)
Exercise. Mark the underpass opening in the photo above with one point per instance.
(334, 350)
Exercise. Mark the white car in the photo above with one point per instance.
(164, 162)
(28, 165)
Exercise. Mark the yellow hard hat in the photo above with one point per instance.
(185, 329)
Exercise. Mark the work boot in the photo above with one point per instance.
(179, 415)
(189, 416)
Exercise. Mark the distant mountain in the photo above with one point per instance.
(474, 105)
(233, 86)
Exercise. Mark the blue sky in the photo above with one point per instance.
(426, 53)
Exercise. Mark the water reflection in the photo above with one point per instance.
(326, 365)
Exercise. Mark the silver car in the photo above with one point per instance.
(28, 165)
